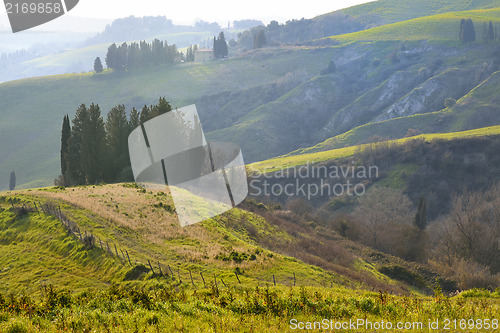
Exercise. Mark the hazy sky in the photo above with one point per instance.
(187, 12)
(184, 12)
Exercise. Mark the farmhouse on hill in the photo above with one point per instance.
(203, 55)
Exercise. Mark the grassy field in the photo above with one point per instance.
(167, 308)
(144, 224)
(437, 27)
(395, 11)
(53, 282)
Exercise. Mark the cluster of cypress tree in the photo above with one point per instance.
(467, 32)
(190, 53)
(259, 40)
(220, 46)
(125, 57)
(488, 32)
(94, 150)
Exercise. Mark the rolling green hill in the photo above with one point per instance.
(270, 102)
(82, 59)
(435, 27)
(366, 88)
(31, 109)
(143, 224)
(476, 109)
(278, 99)
(388, 11)
(325, 151)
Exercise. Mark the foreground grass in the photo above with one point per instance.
(166, 308)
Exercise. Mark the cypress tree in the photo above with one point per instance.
(259, 39)
(65, 150)
(491, 32)
(462, 30)
(12, 181)
(216, 49)
(117, 131)
(145, 114)
(485, 32)
(111, 56)
(134, 120)
(79, 122)
(121, 57)
(98, 65)
(222, 50)
(162, 107)
(470, 33)
(93, 148)
(467, 32)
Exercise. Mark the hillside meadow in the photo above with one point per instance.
(52, 281)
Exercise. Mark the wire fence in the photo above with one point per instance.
(158, 269)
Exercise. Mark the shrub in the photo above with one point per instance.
(450, 102)
(402, 274)
(135, 273)
(89, 241)
(17, 327)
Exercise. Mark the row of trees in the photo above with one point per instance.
(220, 46)
(191, 50)
(468, 33)
(94, 150)
(126, 57)
(488, 31)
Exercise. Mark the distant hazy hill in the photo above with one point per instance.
(135, 28)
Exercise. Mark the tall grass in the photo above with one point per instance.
(163, 308)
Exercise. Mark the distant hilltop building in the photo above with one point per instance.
(203, 55)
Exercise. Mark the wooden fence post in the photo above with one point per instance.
(116, 251)
(274, 280)
(151, 267)
(172, 273)
(159, 267)
(203, 279)
(237, 277)
(191, 276)
(294, 279)
(179, 274)
(128, 258)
